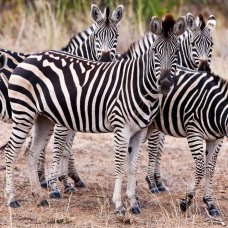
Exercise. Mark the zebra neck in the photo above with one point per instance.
(12, 60)
(143, 78)
(185, 57)
(78, 43)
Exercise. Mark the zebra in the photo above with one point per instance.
(195, 53)
(101, 46)
(119, 96)
(196, 108)
(200, 43)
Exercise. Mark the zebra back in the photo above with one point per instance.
(199, 99)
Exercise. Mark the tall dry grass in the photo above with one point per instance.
(24, 29)
(21, 30)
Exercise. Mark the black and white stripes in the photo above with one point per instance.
(87, 96)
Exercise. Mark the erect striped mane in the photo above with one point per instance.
(107, 11)
(136, 47)
(218, 78)
(202, 22)
(167, 24)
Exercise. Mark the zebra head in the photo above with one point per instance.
(106, 34)
(165, 48)
(201, 40)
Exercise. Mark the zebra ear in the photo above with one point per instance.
(191, 22)
(156, 26)
(211, 23)
(3, 60)
(96, 14)
(117, 15)
(180, 26)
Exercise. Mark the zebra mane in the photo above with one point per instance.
(167, 24)
(107, 11)
(202, 22)
(218, 78)
(136, 48)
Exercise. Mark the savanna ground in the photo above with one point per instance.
(92, 206)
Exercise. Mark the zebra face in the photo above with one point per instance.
(201, 41)
(165, 49)
(106, 34)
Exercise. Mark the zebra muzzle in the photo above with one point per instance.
(204, 66)
(106, 57)
(164, 84)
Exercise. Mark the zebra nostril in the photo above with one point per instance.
(204, 66)
(106, 57)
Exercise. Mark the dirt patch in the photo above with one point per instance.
(93, 207)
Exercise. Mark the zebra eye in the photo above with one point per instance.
(154, 50)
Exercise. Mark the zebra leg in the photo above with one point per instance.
(59, 143)
(153, 142)
(72, 172)
(64, 161)
(68, 163)
(42, 131)
(121, 142)
(41, 169)
(157, 173)
(40, 165)
(195, 141)
(20, 131)
(134, 151)
(212, 150)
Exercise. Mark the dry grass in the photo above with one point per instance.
(92, 207)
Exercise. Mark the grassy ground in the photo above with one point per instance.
(92, 207)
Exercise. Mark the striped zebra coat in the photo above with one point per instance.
(195, 53)
(178, 116)
(98, 42)
(196, 108)
(121, 96)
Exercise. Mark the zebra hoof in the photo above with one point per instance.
(79, 184)
(69, 189)
(213, 211)
(183, 205)
(14, 204)
(120, 212)
(55, 194)
(43, 203)
(44, 184)
(138, 201)
(161, 187)
(154, 190)
(135, 210)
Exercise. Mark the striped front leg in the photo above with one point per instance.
(134, 150)
(195, 142)
(124, 144)
(155, 150)
(212, 150)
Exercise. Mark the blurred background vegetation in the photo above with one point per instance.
(36, 25)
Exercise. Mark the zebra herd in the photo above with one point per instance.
(162, 85)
